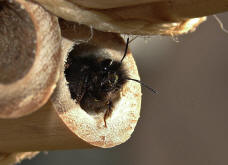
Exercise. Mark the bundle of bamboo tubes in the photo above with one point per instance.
(37, 111)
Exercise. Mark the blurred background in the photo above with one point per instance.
(186, 123)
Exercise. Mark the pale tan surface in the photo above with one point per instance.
(42, 130)
(160, 17)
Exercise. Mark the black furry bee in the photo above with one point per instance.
(95, 82)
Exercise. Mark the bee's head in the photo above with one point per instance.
(114, 76)
(111, 75)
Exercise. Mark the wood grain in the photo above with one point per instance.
(42, 130)
(147, 17)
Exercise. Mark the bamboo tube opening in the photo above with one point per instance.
(17, 42)
(30, 44)
(90, 127)
(80, 56)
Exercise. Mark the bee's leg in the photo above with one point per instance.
(108, 112)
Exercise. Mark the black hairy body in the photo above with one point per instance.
(95, 82)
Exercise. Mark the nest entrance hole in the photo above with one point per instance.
(17, 42)
(75, 79)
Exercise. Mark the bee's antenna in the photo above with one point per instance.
(143, 84)
(125, 52)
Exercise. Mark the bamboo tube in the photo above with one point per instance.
(90, 126)
(30, 43)
(183, 8)
(40, 131)
(61, 123)
(147, 17)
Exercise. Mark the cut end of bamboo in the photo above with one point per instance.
(91, 127)
(29, 61)
(183, 27)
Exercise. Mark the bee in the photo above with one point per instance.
(95, 82)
